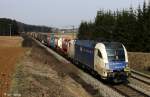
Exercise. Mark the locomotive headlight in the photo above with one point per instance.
(127, 68)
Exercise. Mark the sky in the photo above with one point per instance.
(60, 13)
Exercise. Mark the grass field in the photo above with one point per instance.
(10, 52)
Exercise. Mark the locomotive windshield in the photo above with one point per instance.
(115, 52)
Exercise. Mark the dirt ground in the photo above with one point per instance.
(10, 53)
(13, 41)
(40, 74)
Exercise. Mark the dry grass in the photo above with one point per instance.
(139, 61)
(10, 52)
(39, 74)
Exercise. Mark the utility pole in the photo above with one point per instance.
(73, 28)
(10, 29)
(1, 32)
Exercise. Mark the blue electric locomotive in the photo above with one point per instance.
(108, 59)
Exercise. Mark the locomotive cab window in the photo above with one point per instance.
(99, 54)
(115, 52)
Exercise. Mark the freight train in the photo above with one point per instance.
(107, 59)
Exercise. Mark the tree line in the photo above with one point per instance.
(8, 27)
(128, 26)
(13, 27)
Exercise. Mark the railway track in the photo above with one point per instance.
(128, 91)
(141, 77)
(140, 82)
(132, 89)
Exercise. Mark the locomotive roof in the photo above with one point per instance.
(92, 43)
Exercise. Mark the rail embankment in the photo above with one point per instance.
(140, 61)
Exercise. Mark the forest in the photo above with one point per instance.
(128, 26)
(14, 27)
